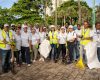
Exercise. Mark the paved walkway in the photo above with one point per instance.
(52, 71)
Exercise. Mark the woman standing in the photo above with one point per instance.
(42, 37)
(25, 50)
(62, 38)
(71, 37)
(35, 42)
(18, 46)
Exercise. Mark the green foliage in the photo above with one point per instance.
(70, 9)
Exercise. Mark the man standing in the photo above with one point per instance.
(86, 37)
(6, 38)
(96, 38)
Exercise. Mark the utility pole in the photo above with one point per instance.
(55, 12)
(93, 13)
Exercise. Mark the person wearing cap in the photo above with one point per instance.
(62, 38)
(71, 37)
(35, 43)
(86, 37)
(53, 37)
(42, 36)
(96, 38)
(18, 46)
(25, 47)
(77, 45)
(6, 38)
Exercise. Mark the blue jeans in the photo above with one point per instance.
(53, 46)
(6, 55)
(76, 50)
(98, 53)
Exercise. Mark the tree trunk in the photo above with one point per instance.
(64, 19)
(79, 13)
(55, 12)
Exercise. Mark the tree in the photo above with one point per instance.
(5, 16)
(26, 10)
(98, 13)
(70, 9)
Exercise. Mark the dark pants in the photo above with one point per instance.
(6, 55)
(98, 53)
(25, 55)
(54, 46)
(17, 55)
(71, 47)
(62, 47)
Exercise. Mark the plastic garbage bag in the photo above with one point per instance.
(91, 53)
(45, 48)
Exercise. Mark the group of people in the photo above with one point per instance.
(24, 41)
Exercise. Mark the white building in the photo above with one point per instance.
(59, 2)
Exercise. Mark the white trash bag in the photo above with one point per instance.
(45, 48)
(91, 53)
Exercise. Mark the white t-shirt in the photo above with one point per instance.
(78, 33)
(34, 39)
(42, 36)
(62, 37)
(96, 37)
(18, 41)
(70, 36)
(25, 37)
(8, 40)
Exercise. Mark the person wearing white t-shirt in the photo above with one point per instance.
(42, 36)
(71, 37)
(62, 38)
(25, 47)
(5, 38)
(77, 43)
(96, 37)
(18, 46)
(34, 43)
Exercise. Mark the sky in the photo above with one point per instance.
(9, 3)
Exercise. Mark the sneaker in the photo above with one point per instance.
(34, 61)
(29, 65)
(40, 59)
(23, 63)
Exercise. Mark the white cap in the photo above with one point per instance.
(52, 26)
(70, 26)
(12, 24)
(25, 26)
(44, 27)
(6, 25)
(62, 27)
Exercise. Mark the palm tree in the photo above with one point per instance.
(98, 13)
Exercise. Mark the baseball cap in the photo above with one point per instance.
(6, 25)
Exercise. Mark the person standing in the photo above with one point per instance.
(42, 38)
(18, 46)
(53, 37)
(71, 38)
(62, 38)
(25, 47)
(96, 38)
(6, 38)
(77, 44)
(35, 43)
(86, 37)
